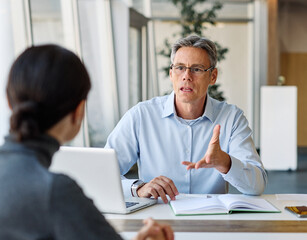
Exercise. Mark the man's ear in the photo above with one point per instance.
(213, 76)
(78, 113)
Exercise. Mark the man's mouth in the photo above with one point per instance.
(186, 89)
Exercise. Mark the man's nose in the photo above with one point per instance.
(187, 75)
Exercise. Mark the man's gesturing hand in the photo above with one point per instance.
(214, 157)
(159, 187)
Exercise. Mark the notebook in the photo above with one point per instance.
(96, 170)
(221, 204)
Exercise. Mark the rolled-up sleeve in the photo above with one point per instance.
(247, 173)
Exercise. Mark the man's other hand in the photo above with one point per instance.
(214, 157)
(159, 187)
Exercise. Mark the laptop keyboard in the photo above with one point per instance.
(130, 204)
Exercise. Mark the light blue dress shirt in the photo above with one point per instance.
(152, 135)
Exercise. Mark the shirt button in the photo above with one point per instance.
(187, 151)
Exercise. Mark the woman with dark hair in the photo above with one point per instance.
(47, 88)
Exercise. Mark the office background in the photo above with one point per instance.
(118, 40)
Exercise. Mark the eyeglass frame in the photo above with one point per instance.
(185, 68)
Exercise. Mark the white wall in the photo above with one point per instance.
(234, 70)
(164, 30)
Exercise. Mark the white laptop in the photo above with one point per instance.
(96, 170)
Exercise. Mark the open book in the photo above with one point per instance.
(220, 204)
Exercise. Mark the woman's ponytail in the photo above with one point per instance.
(24, 120)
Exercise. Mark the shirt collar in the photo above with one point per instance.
(169, 107)
(209, 109)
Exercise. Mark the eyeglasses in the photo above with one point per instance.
(180, 69)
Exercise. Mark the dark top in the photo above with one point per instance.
(38, 204)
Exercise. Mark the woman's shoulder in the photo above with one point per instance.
(70, 204)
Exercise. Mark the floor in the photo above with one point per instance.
(278, 181)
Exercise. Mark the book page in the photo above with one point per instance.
(241, 202)
(198, 205)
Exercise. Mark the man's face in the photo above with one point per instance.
(192, 87)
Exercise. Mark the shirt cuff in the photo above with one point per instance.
(127, 183)
(234, 172)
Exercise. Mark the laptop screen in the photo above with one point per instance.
(96, 170)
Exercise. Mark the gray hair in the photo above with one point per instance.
(197, 42)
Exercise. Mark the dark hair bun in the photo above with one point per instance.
(24, 120)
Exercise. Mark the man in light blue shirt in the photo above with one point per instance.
(188, 142)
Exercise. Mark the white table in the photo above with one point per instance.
(282, 225)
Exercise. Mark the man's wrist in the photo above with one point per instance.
(135, 186)
(227, 165)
